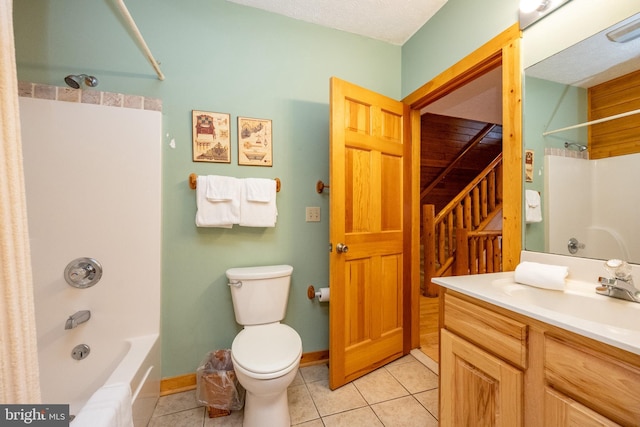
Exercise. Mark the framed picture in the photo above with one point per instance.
(211, 141)
(528, 165)
(255, 143)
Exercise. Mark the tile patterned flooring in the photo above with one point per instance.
(402, 393)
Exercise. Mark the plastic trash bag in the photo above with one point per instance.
(217, 384)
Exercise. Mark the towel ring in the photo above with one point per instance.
(193, 182)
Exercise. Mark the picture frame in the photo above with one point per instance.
(255, 142)
(528, 165)
(211, 136)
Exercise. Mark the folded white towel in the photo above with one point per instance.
(110, 406)
(533, 210)
(261, 210)
(222, 188)
(541, 275)
(223, 213)
(259, 190)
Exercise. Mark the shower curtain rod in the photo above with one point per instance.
(593, 122)
(127, 16)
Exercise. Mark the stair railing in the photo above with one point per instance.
(471, 210)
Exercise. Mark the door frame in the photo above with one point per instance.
(503, 50)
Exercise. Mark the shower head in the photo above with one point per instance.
(575, 145)
(75, 81)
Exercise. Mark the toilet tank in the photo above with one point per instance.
(260, 294)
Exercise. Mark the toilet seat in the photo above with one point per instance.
(267, 351)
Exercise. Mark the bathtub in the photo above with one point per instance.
(140, 369)
(93, 185)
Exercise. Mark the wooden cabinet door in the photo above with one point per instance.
(476, 388)
(561, 411)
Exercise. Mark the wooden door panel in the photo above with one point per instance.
(361, 212)
(392, 212)
(390, 275)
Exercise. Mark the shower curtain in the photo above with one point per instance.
(18, 348)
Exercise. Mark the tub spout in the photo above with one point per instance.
(77, 318)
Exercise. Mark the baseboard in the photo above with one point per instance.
(314, 358)
(188, 382)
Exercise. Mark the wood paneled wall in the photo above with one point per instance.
(619, 136)
(442, 139)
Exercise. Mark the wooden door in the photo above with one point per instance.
(368, 162)
(476, 388)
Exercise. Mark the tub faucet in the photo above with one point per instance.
(77, 318)
(621, 285)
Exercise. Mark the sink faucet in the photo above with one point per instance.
(77, 318)
(621, 285)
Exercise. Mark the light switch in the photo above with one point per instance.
(313, 214)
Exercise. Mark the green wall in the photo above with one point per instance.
(459, 28)
(222, 57)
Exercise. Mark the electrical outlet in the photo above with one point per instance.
(313, 214)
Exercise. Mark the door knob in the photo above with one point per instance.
(342, 248)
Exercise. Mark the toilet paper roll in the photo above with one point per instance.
(323, 294)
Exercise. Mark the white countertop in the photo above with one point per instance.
(577, 308)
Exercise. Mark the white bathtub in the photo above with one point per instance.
(140, 369)
(93, 182)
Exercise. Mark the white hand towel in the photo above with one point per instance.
(533, 210)
(258, 203)
(222, 214)
(259, 190)
(110, 406)
(541, 275)
(222, 188)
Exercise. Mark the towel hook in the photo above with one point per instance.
(320, 186)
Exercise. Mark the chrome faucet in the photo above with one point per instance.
(621, 285)
(77, 318)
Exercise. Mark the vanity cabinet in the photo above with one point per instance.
(500, 368)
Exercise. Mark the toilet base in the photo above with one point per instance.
(271, 410)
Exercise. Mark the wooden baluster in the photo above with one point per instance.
(482, 253)
(459, 216)
(467, 212)
(483, 199)
(499, 172)
(441, 251)
(450, 243)
(490, 266)
(497, 254)
(475, 195)
(462, 253)
(428, 227)
(492, 190)
(473, 256)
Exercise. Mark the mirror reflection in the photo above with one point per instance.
(582, 147)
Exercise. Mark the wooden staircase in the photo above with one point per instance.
(465, 237)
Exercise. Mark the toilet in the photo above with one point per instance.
(266, 353)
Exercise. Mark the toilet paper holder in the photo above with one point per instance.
(312, 293)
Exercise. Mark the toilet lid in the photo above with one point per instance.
(266, 348)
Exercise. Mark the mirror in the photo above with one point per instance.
(580, 205)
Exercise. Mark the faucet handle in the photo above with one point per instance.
(618, 268)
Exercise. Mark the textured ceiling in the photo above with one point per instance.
(391, 21)
(592, 61)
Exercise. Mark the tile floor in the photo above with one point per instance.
(402, 393)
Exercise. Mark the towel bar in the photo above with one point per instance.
(193, 182)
